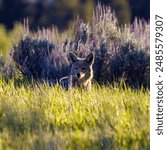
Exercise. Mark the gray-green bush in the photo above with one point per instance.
(122, 53)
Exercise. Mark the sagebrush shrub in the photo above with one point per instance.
(121, 53)
(36, 58)
(32, 57)
(131, 65)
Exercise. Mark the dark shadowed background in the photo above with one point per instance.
(62, 12)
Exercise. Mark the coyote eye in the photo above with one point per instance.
(83, 69)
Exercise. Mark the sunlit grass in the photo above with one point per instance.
(39, 116)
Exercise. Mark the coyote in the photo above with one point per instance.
(81, 73)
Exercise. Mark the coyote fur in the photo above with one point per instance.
(81, 73)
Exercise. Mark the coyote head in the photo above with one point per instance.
(82, 67)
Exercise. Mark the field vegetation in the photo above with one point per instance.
(36, 113)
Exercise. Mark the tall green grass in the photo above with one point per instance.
(39, 116)
(9, 38)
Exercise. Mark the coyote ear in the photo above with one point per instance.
(73, 57)
(90, 59)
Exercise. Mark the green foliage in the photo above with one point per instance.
(5, 42)
(38, 116)
(9, 38)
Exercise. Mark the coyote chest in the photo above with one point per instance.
(81, 73)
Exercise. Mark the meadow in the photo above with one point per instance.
(44, 117)
(36, 113)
